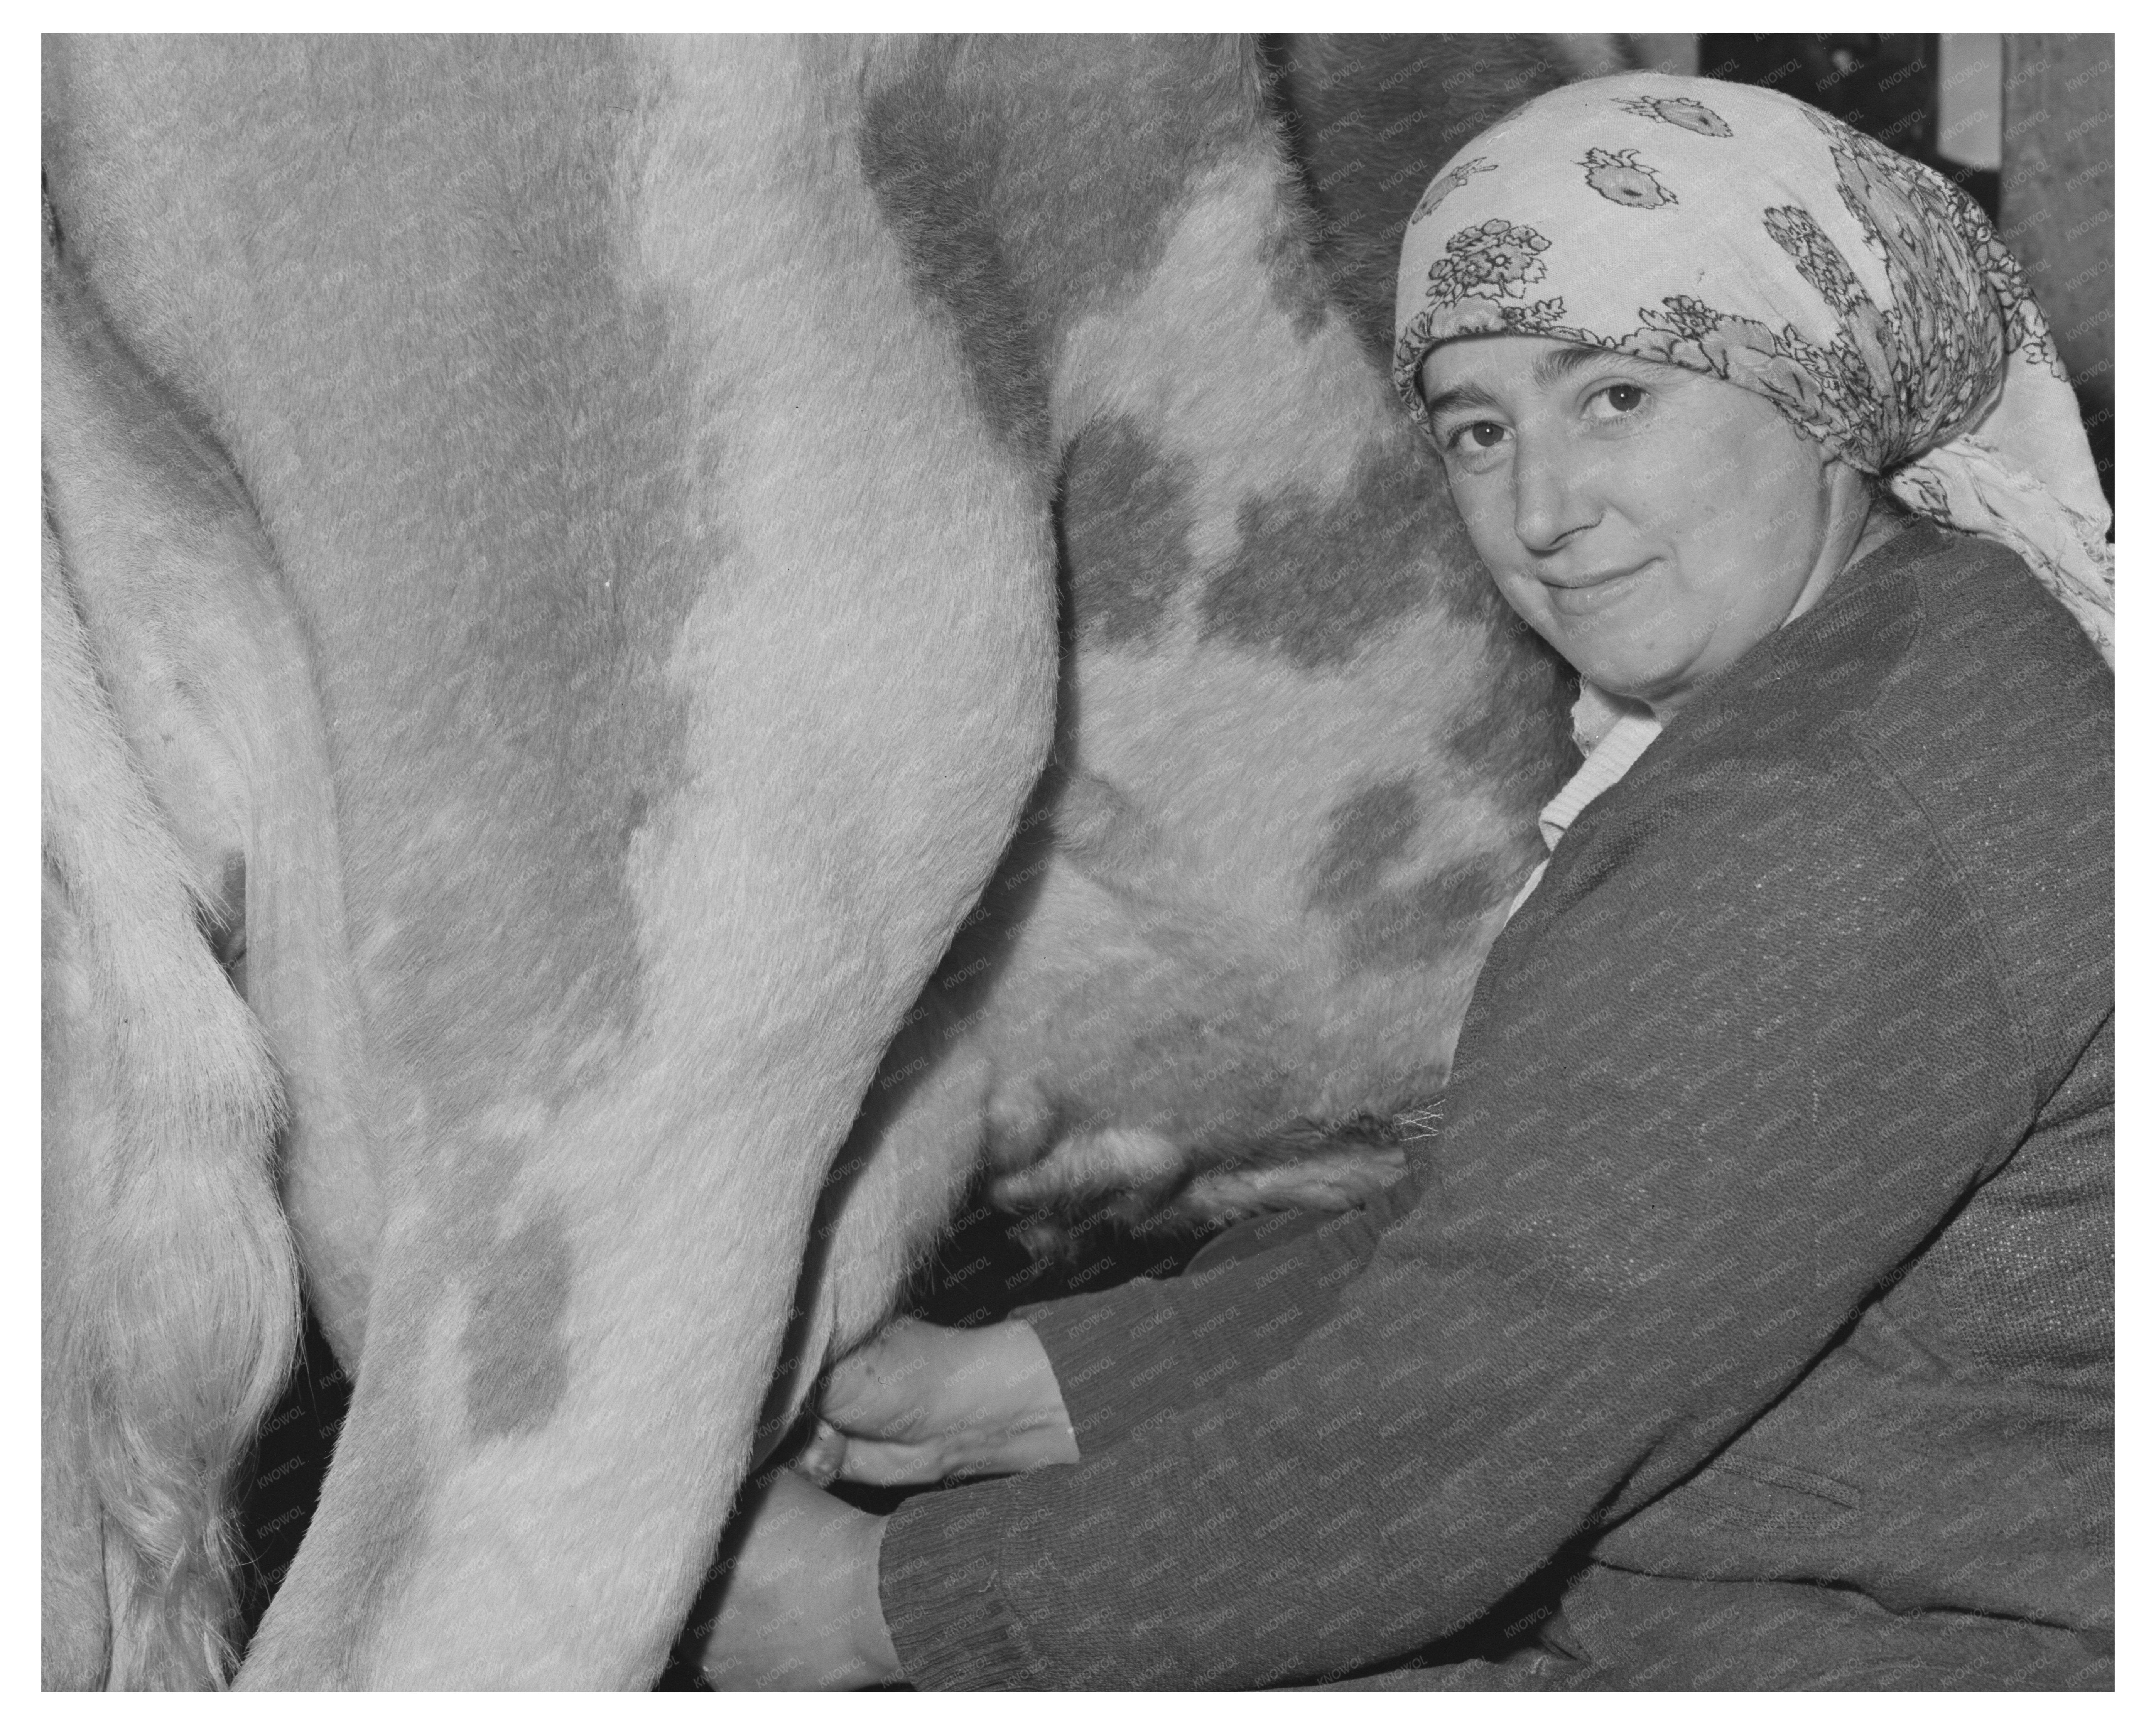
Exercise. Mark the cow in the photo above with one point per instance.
(552, 587)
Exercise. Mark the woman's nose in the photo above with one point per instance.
(1550, 500)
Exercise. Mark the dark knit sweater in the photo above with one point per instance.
(1761, 1276)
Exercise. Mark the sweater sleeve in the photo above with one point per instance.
(1134, 1353)
(1732, 1065)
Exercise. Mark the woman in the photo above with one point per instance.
(1749, 1324)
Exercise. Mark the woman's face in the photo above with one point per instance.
(1650, 523)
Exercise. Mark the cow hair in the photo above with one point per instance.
(172, 1302)
(171, 1288)
(1364, 123)
(1370, 119)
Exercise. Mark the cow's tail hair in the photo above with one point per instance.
(174, 1302)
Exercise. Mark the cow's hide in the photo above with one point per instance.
(553, 547)
(1188, 1132)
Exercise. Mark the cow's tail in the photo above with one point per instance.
(171, 1288)
(170, 1294)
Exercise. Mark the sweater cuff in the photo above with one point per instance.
(1118, 1359)
(937, 1581)
(1133, 1354)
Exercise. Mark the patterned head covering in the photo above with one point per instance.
(1743, 234)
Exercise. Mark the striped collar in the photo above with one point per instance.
(1612, 732)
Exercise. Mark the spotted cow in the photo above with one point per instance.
(551, 576)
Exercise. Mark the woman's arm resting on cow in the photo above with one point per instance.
(1636, 1246)
(1127, 1355)
(921, 1404)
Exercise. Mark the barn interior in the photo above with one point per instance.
(2023, 122)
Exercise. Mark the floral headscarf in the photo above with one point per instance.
(1743, 234)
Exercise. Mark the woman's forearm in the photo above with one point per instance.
(1123, 1356)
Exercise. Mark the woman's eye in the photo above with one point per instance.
(1625, 397)
(1482, 434)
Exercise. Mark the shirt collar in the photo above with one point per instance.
(1612, 732)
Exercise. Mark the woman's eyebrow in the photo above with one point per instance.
(1548, 370)
(1460, 395)
(1567, 360)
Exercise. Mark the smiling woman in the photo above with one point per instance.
(1649, 523)
(1810, 268)
(1747, 1322)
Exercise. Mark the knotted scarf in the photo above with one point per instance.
(1744, 234)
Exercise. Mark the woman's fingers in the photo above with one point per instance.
(834, 1455)
(882, 1387)
(868, 1462)
(824, 1458)
(921, 1404)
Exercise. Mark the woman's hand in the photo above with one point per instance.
(800, 1607)
(921, 1404)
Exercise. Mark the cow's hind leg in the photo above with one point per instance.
(584, 1281)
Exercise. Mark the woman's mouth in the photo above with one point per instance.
(1575, 593)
